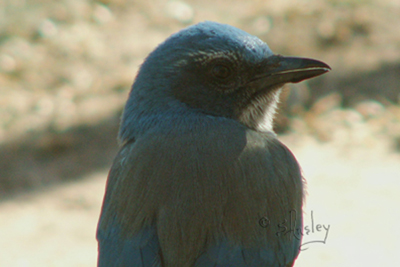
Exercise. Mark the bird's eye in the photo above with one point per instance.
(221, 71)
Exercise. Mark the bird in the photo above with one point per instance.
(201, 178)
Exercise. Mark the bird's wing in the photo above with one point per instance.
(226, 255)
(116, 247)
(141, 250)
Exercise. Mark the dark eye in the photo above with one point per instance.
(221, 71)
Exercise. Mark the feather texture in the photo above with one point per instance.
(190, 195)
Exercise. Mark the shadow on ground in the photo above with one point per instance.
(45, 158)
(382, 85)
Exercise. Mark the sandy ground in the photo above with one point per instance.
(352, 191)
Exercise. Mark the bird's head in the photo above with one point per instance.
(218, 70)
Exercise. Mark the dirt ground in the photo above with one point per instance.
(65, 72)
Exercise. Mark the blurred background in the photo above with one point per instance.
(66, 68)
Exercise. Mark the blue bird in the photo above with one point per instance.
(201, 178)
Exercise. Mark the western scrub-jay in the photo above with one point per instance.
(201, 179)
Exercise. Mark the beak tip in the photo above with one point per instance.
(326, 67)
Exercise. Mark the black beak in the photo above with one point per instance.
(278, 70)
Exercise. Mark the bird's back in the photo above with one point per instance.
(202, 191)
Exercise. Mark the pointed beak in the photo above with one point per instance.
(278, 70)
